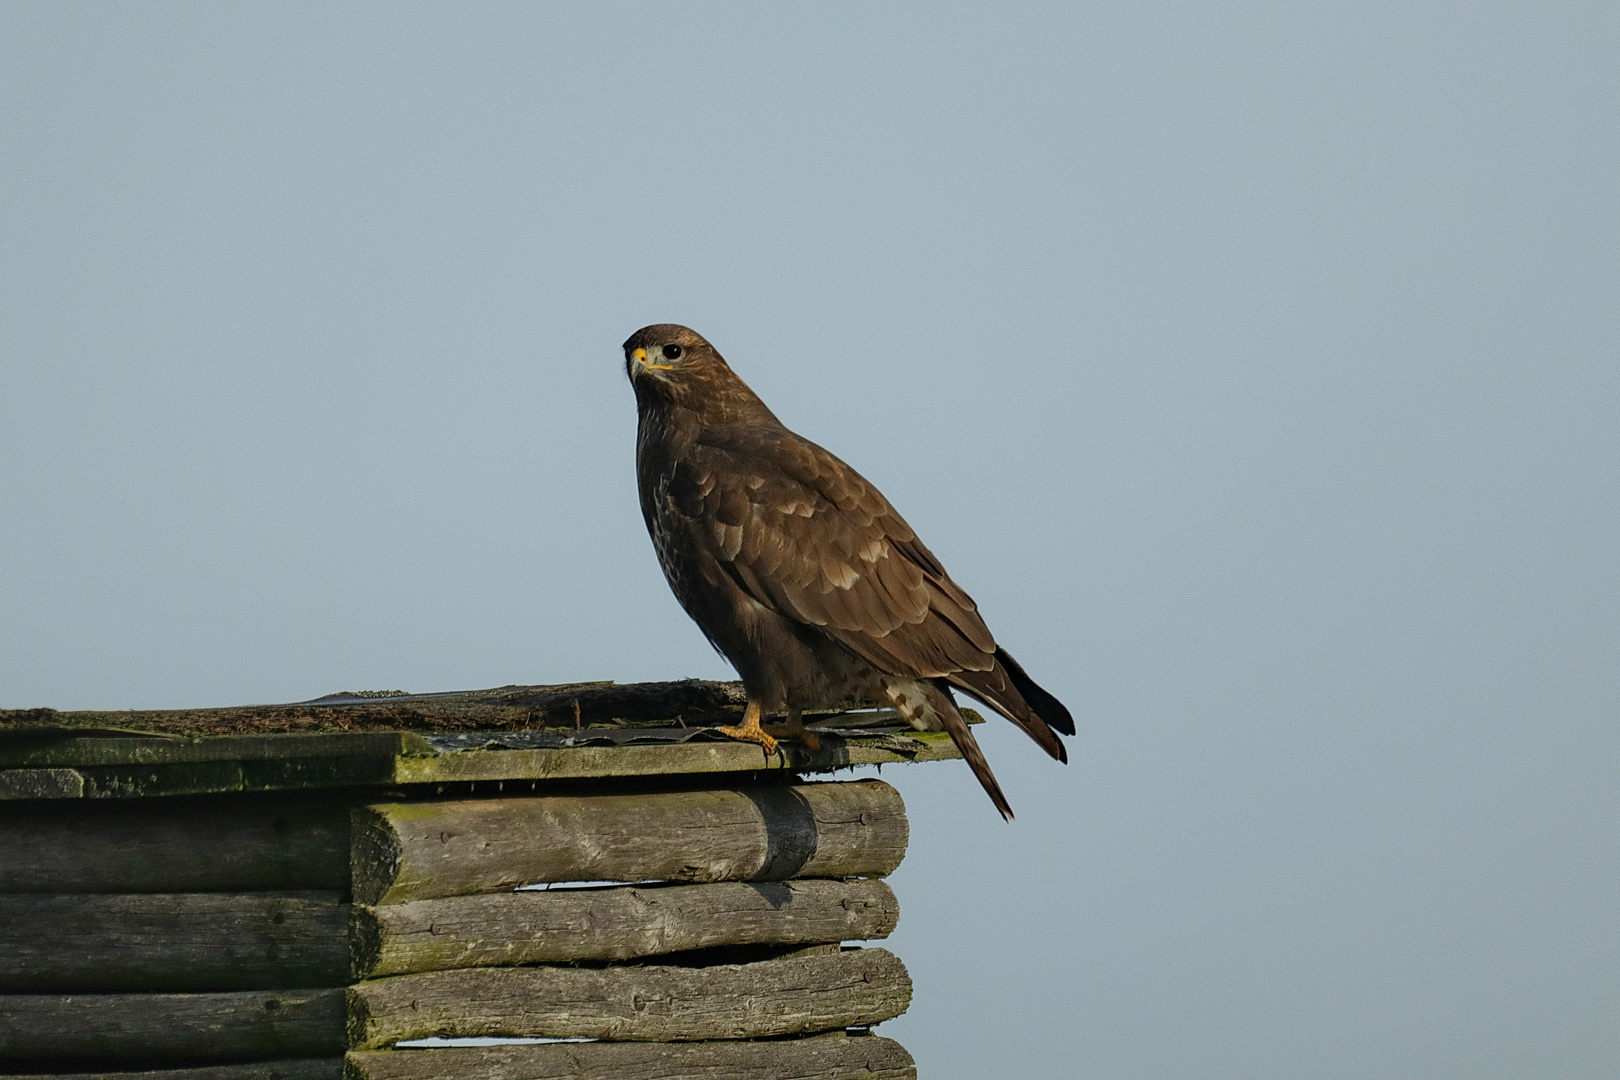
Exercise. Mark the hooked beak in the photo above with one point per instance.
(639, 362)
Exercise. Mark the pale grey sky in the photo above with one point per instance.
(1254, 365)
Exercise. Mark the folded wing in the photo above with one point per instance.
(808, 537)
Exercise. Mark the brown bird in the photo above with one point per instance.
(799, 571)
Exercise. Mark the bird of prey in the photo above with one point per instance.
(799, 571)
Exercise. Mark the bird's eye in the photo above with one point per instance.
(672, 352)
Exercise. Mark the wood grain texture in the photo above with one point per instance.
(820, 1057)
(300, 1069)
(172, 941)
(624, 923)
(791, 995)
(425, 850)
(247, 843)
(172, 1027)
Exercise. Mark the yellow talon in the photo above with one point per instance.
(794, 729)
(750, 731)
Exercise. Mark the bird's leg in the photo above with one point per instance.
(795, 729)
(750, 731)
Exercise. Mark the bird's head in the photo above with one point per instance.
(668, 355)
(670, 365)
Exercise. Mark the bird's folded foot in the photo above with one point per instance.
(794, 729)
(750, 731)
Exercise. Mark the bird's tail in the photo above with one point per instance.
(1047, 707)
(939, 699)
(1012, 693)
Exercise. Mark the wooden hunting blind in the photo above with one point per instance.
(310, 891)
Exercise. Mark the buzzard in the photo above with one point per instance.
(800, 572)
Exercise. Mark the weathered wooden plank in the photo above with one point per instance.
(214, 777)
(170, 941)
(790, 995)
(172, 1027)
(300, 1069)
(148, 781)
(504, 708)
(41, 784)
(437, 768)
(767, 832)
(41, 737)
(819, 1057)
(622, 923)
(693, 757)
(247, 843)
(66, 749)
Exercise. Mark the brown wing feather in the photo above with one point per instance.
(826, 547)
(809, 537)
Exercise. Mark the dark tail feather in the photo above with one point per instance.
(1002, 690)
(940, 699)
(1046, 706)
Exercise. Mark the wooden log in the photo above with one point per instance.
(623, 923)
(423, 850)
(820, 1057)
(172, 1027)
(792, 995)
(301, 1069)
(246, 843)
(169, 941)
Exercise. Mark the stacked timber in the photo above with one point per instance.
(658, 921)
(152, 935)
(739, 940)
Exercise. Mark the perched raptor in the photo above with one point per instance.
(800, 572)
